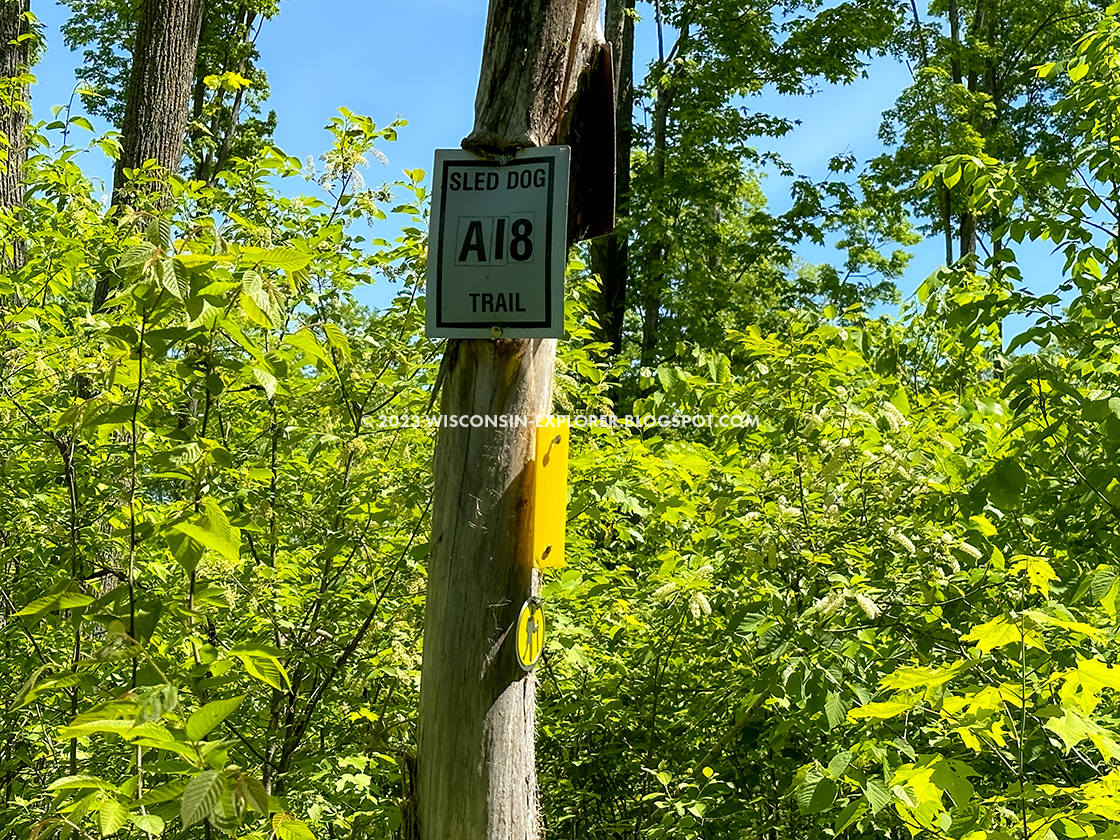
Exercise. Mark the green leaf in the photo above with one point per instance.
(68, 600)
(112, 817)
(1039, 572)
(148, 823)
(201, 796)
(835, 710)
(254, 794)
(998, 633)
(908, 677)
(1006, 483)
(81, 782)
(816, 793)
(848, 816)
(839, 764)
(127, 729)
(266, 380)
(203, 721)
(1070, 727)
(267, 669)
(1075, 626)
(337, 339)
(884, 710)
(287, 259)
(289, 828)
(186, 550)
(137, 255)
(212, 530)
(877, 795)
(306, 341)
(163, 793)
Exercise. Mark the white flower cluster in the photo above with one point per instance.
(664, 590)
(830, 603)
(698, 605)
(903, 541)
(971, 550)
(894, 418)
(869, 607)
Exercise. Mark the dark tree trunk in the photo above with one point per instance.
(476, 772)
(14, 61)
(655, 281)
(610, 255)
(157, 101)
(155, 111)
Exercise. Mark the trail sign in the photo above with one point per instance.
(498, 245)
(530, 634)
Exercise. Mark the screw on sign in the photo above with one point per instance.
(530, 634)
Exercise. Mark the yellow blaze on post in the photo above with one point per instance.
(550, 493)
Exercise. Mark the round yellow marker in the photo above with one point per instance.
(530, 634)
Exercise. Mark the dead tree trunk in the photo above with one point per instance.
(15, 56)
(610, 255)
(156, 102)
(476, 765)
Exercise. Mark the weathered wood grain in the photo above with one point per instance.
(476, 764)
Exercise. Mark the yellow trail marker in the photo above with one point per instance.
(530, 634)
(550, 493)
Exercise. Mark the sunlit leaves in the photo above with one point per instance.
(68, 600)
(212, 529)
(202, 796)
(203, 721)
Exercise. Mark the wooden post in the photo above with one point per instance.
(476, 765)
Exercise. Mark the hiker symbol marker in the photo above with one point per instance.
(530, 634)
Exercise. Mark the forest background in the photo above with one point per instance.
(889, 610)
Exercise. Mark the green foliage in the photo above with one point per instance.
(228, 89)
(203, 551)
(885, 609)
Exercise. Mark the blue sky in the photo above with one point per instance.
(420, 60)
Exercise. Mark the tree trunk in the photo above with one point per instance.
(14, 60)
(157, 101)
(475, 764)
(655, 283)
(610, 255)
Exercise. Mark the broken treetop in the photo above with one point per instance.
(497, 247)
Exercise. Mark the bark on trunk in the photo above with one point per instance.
(654, 286)
(610, 255)
(14, 61)
(159, 87)
(158, 97)
(475, 764)
(477, 775)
